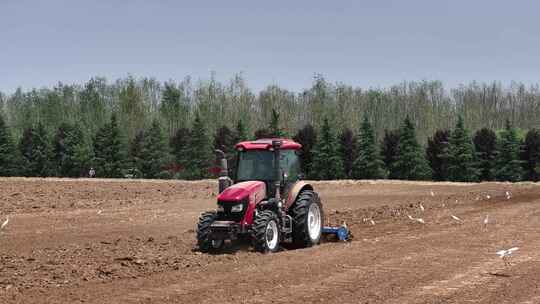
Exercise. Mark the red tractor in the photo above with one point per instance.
(265, 201)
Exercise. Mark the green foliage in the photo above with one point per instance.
(410, 162)
(327, 163)
(109, 150)
(508, 164)
(389, 152)
(154, 153)
(367, 165)
(307, 137)
(36, 152)
(531, 155)
(348, 150)
(461, 161)
(8, 151)
(71, 154)
(199, 152)
(485, 145)
(437, 153)
(274, 128)
(240, 133)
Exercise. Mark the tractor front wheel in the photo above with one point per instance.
(308, 219)
(203, 232)
(266, 232)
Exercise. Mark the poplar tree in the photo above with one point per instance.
(461, 166)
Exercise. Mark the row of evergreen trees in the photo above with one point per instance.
(450, 155)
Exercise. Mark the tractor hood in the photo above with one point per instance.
(255, 190)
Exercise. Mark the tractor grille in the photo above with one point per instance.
(228, 215)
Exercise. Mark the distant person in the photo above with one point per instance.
(92, 173)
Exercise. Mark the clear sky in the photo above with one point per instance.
(362, 43)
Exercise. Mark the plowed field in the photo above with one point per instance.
(121, 241)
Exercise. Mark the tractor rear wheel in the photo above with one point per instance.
(203, 232)
(266, 232)
(308, 219)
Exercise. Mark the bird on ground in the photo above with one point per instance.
(508, 195)
(372, 222)
(422, 208)
(432, 193)
(4, 224)
(419, 220)
(486, 221)
(456, 218)
(506, 254)
(488, 196)
(99, 212)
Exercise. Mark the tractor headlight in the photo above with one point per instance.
(220, 208)
(237, 208)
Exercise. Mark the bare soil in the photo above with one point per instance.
(132, 241)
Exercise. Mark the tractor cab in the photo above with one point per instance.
(262, 161)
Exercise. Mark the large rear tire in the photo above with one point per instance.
(203, 231)
(266, 232)
(308, 219)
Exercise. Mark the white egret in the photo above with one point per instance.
(4, 224)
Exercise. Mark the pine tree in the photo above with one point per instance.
(263, 133)
(531, 153)
(8, 151)
(348, 150)
(410, 163)
(240, 133)
(180, 146)
(485, 145)
(437, 153)
(389, 152)
(224, 140)
(307, 137)
(154, 155)
(461, 162)
(367, 165)
(136, 147)
(327, 164)
(200, 153)
(69, 150)
(274, 128)
(36, 152)
(508, 164)
(109, 153)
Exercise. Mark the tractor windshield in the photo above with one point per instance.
(255, 165)
(259, 165)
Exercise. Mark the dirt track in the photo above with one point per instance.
(103, 241)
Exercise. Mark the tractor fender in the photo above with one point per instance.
(295, 191)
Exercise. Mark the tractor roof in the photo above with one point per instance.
(266, 143)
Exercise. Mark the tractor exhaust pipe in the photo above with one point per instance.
(276, 145)
(224, 179)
